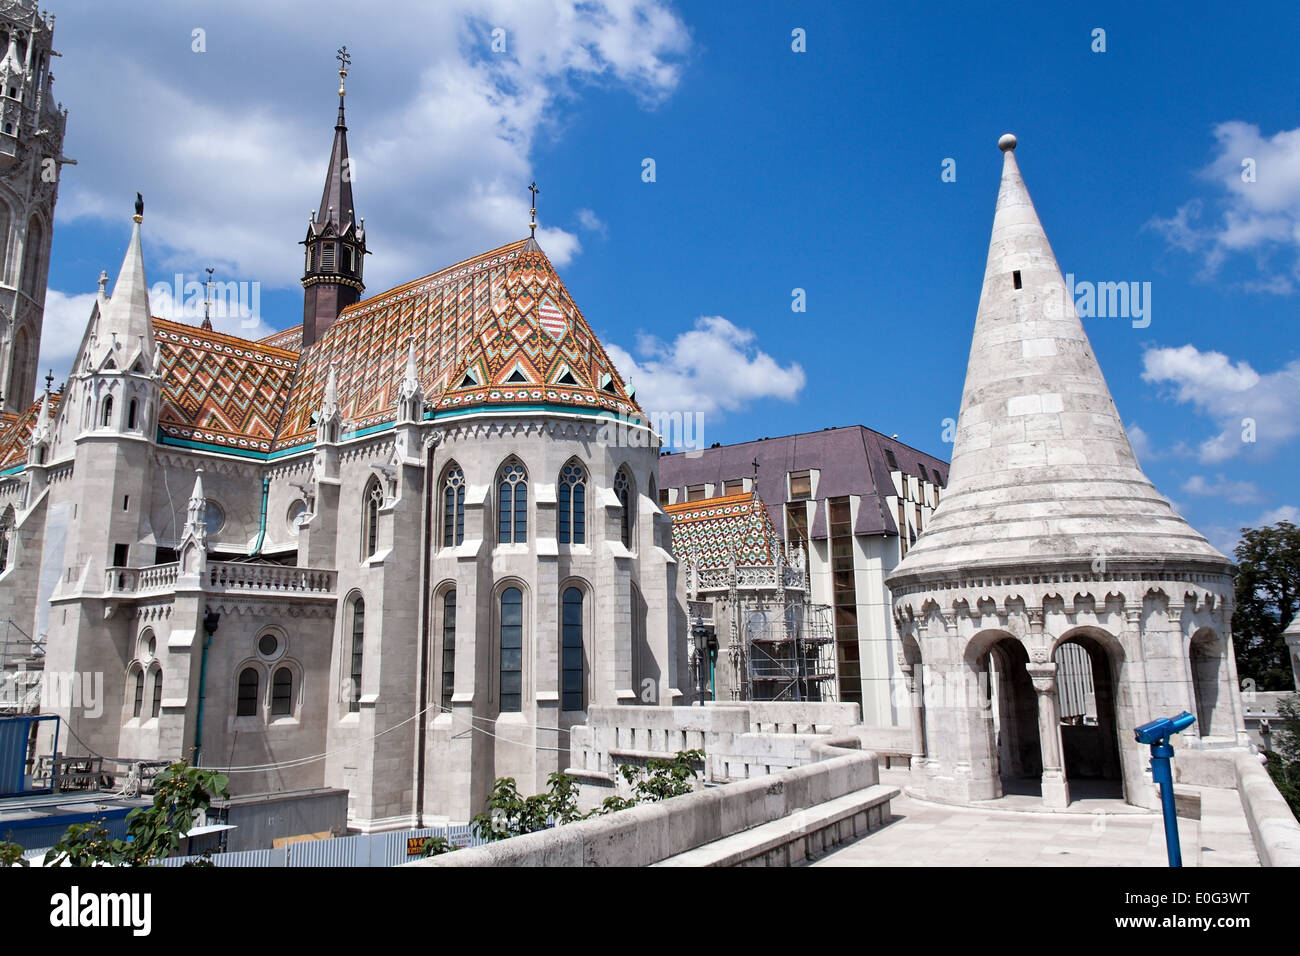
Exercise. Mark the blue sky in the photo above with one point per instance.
(774, 170)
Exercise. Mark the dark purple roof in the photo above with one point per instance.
(852, 461)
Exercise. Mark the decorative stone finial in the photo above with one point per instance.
(1007, 141)
(139, 208)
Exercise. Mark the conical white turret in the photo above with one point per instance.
(124, 333)
(1042, 471)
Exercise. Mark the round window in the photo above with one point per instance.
(297, 512)
(214, 517)
(268, 645)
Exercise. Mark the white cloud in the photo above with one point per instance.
(1258, 217)
(1285, 513)
(231, 161)
(589, 221)
(1240, 492)
(1141, 442)
(716, 366)
(64, 325)
(1238, 399)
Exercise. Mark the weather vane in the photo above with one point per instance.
(532, 226)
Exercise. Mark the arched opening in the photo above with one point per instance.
(1011, 704)
(1206, 654)
(453, 506)
(131, 411)
(20, 388)
(627, 498)
(915, 676)
(511, 628)
(572, 682)
(374, 500)
(106, 416)
(156, 708)
(1085, 695)
(246, 700)
(512, 503)
(357, 654)
(32, 259)
(571, 505)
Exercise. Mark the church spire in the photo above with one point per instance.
(124, 335)
(336, 242)
(1042, 469)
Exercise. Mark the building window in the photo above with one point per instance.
(453, 507)
(512, 650)
(246, 705)
(735, 486)
(845, 600)
(157, 692)
(131, 413)
(796, 524)
(512, 497)
(664, 500)
(696, 492)
(327, 257)
(571, 651)
(358, 646)
(282, 692)
(800, 485)
(139, 693)
(296, 515)
(573, 505)
(448, 648)
(374, 500)
(214, 517)
(106, 416)
(902, 528)
(623, 489)
(918, 517)
(6, 529)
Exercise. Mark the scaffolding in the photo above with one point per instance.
(789, 651)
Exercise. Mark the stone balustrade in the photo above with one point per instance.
(240, 577)
(134, 581)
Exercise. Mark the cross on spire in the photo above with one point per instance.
(532, 226)
(345, 60)
(754, 463)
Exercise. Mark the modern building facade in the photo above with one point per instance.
(1049, 546)
(853, 501)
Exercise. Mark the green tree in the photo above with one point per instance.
(660, 779)
(153, 832)
(508, 813)
(1267, 598)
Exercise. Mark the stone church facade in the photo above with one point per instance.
(1049, 549)
(397, 549)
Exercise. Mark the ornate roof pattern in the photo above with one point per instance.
(711, 531)
(290, 338)
(220, 389)
(497, 329)
(16, 431)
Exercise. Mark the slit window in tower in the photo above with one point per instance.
(1015, 277)
(327, 258)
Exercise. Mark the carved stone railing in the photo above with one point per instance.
(750, 577)
(158, 577)
(259, 578)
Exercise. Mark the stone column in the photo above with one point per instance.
(1056, 790)
(913, 677)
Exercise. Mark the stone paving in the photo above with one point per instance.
(1091, 833)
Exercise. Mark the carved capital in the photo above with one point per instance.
(1043, 675)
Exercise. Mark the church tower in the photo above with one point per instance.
(336, 239)
(31, 155)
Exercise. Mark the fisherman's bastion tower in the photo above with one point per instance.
(1053, 580)
(31, 157)
(397, 549)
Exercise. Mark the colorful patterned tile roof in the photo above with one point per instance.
(710, 531)
(219, 389)
(290, 338)
(16, 432)
(497, 329)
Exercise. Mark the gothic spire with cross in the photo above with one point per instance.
(336, 238)
(532, 225)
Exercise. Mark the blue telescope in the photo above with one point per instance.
(1157, 734)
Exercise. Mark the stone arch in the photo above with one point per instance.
(913, 664)
(1089, 662)
(1208, 663)
(1006, 704)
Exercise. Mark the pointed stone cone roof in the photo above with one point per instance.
(1043, 475)
(337, 194)
(126, 316)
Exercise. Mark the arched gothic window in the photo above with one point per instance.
(139, 693)
(623, 489)
(448, 648)
(512, 650)
(6, 533)
(572, 504)
(282, 692)
(32, 258)
(156, 709)
(131, 413)
(246, 704)
(106, 417)
(512, 498)
(374, 500)
(571, 684)
(358, 647)
(453, 506)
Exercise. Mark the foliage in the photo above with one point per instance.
(154, 832)
(11, 854)
(1284, 761)
(508, 814)
(1267, 598)
(436, 846)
